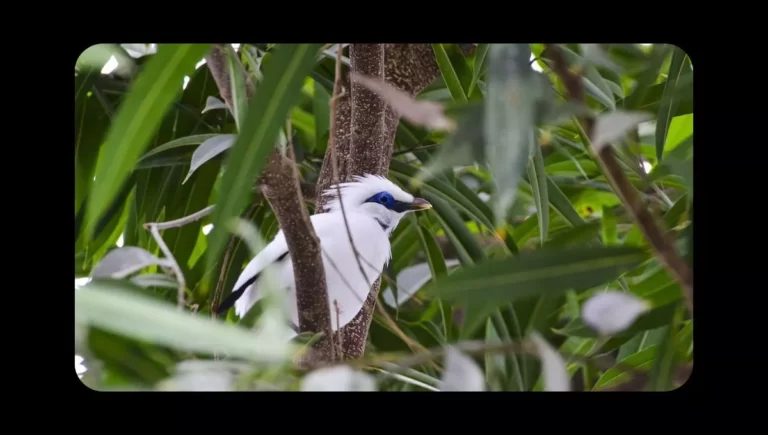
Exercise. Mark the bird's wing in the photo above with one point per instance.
(245, 293)
(275, 252)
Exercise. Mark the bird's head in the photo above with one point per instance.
(382, 199)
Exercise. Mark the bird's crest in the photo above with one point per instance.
(354, 193)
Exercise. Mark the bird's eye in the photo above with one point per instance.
(384, 198)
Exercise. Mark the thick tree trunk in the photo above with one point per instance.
(364, 135)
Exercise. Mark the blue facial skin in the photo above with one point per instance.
(385, 199)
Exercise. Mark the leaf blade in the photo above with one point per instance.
(283, 79)
(139, 116)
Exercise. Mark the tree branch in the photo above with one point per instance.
(363, 134)
(660, 240)
(280, 185)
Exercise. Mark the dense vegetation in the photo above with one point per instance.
(557, 254)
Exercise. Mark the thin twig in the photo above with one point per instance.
(332, 140)
(183, 221)
(153, 228)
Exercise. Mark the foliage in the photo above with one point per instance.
(525, 226)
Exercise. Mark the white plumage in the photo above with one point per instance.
(373, 206)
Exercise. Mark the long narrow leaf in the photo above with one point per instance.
(283, 79)
(539, 273)
(538, 179)
(138, 118)
(449, 73)
(670, 101)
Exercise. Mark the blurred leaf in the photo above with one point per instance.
(138, 117)
(454, 71)
(102, 305)
(97, 56)
(537, 273)
(278, 92)
(154, 280)
(338, 378)
(121, 262)
(593, 82)
(580, 234)
(611, 312)
(419, 112)
(651, 68)
(555, 376)
(209, 149)
(653, 319)
(670, 101)
(614, 125)
(594, 54)
(461, 373)
(513, 91)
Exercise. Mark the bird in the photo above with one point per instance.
(373, 206)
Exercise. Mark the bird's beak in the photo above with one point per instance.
(419, 204)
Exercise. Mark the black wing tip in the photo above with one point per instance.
(230, 300)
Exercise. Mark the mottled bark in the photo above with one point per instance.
(281, 187)
(364, 132)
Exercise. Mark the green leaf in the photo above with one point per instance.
(449, 72)
(91, 123)
(283, 79)
(538, 273)
(138, 118)
(680, 129)
(481, 64)
(107, 306)
(208, 150)
(670, 100)
(613, 377)
(447, 192)
(593, 82)
(561, 203)
(237, 87)
(513, 92)
(467, 248)
(610, 234)
(538, 179)
(660, 377)
(648, 76)
(186, 141)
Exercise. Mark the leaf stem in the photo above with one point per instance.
(153, 228)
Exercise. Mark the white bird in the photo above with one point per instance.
(373, 206)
